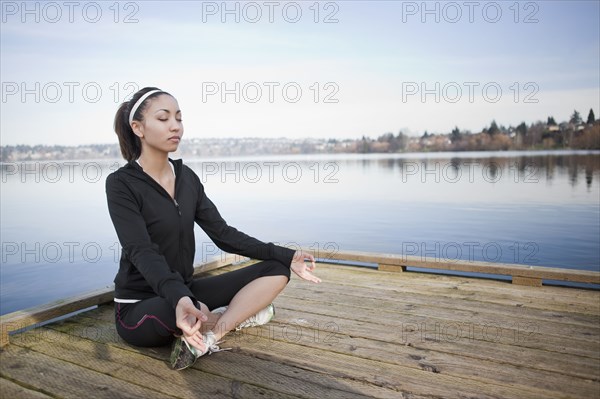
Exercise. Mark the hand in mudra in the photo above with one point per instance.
(189, 319)
(302, 269)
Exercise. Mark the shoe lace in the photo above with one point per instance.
(216, 348)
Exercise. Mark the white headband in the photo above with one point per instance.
(139, 102)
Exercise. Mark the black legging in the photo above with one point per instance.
(151, 322)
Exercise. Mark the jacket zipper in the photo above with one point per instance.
(177, 177)
(177, 206)
(162, 189)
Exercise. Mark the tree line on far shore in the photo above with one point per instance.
(549, 135)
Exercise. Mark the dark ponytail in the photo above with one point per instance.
(131, 145)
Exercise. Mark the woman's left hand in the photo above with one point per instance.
(303, 270)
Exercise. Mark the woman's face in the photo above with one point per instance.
(162, 127)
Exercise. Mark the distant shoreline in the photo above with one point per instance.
(334, 156)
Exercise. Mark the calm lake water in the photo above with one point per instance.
(535, 208)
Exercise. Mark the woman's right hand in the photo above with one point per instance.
(303, 270)
(189, 319)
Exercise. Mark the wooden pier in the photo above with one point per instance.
(361, 333)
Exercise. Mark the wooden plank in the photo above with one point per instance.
(274, 377)
(477, 324)
(277, 373)
(391, 268)
(62, 379)
(487, 358)
(487, 373)
(504, 285)
(452, 357)
(420, 301)
(456, 357)
(138, 368)
(527, 281)
(455, 290)
(519, 318)
(443, 328)
(551, 273)
(9, 389)
(531, 312)
(234, 367)
(516, 366)
(500, 295)
(28, 317)
(335, 272)
(431, 281)
(427, 380)
(367, 335)
(585, 301)
(579, 306)
(374, 356)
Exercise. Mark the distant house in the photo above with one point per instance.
(553, 128)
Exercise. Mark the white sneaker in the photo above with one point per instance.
(183, 355)
(211, 344)
(262, 317)
(220, 310)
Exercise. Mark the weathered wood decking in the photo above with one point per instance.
(361, 333)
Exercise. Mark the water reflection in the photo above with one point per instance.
(532, 168)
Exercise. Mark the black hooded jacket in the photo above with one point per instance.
(157, 233)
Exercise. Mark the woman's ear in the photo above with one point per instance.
(138, 128)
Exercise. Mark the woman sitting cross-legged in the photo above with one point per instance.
(153, 202)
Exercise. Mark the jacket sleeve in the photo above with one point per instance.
(137, 245)
(229, 239)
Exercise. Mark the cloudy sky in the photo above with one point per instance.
(338, 69)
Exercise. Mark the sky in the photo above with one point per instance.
(337, 69)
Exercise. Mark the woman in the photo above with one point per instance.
(153, 202)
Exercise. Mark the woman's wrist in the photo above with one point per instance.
(184, 300)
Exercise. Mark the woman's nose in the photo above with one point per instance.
(176, 125)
